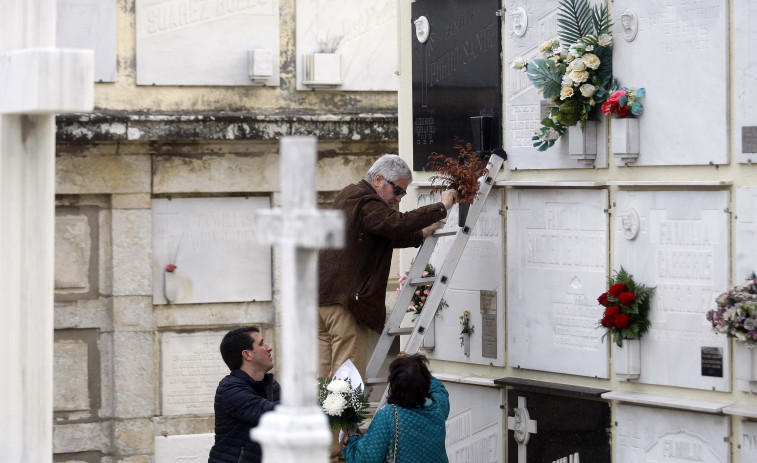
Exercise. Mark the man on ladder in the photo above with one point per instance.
(352, 281)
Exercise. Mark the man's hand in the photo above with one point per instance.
(428, 231)
(449, 198)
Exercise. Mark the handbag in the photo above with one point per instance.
(391, 457)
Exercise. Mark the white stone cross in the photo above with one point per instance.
(297, 431)
(36, 82)
(523, 426)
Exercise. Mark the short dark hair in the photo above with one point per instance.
(409, 381)
(234, 342)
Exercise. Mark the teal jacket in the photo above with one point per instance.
(422, 432)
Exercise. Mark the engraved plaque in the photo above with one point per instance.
(670, 36)
(556, 267)
(748, 441)
(744, 68)
(457, 74)
(474, 427)
(204, 42)
(489, 324)
(366, 37)
(479, 270)
(89, 24)
(682, 250)
(712, 361)
(525, 108)
(213, 244)
(669, 436)
(191, 369)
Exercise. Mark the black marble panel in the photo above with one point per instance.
(457, 77)
(564, 426)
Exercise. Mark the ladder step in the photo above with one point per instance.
(399, 331)
(373, 381)
(441, 232)
(422, 281)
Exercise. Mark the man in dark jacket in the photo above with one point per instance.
(352, 281)
(243, 396)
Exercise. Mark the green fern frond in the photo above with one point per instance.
(575, 19)
(601, 19)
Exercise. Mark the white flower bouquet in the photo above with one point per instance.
(344, 405)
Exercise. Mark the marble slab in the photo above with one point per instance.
(744, 64)
(366, 33)
(478, 277)
(188, 448)
(73, 248)
(556, 239)
(666, 37)
(525, 107)
(474, 427)
(191, 367)
(89, 24)
(212, 242)
(680, 403)
(746, 233)
(678, 242)
(748, 441)
(71, 391)
(204, 42)
(668, 436)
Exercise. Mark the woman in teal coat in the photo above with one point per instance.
(417, 410)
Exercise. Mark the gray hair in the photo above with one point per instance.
(391, 167)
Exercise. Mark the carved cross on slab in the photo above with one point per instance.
(298, 430)
(522, 426)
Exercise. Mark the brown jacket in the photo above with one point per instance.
(356, 276)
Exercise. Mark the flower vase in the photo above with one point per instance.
(744, 362)
(429, 336)
(582, 143)
(170, 286)
(625, 139)
(462, 213)
(466, 344)
(627, 359)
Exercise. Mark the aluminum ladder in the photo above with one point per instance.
(386, 345)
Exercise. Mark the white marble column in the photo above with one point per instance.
(297, 431)
(36, 82)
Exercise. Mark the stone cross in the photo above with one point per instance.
(523, 426)
(36, 82)
(297, 431)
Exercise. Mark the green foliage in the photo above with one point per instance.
(356, 410)
(578, 19)
(546, 75)
(637, 311)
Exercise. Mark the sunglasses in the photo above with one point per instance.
(397, 190)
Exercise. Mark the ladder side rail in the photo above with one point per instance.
(485, 185)
(385, 341)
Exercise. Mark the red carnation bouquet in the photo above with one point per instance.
(627, 308)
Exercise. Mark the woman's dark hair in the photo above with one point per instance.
(409, 381)
(234, 342)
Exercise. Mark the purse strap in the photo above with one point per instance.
(396, 433)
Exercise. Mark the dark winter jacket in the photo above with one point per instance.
(239, 403)
(356, 276)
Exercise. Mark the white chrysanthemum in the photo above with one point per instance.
(338, 386)
(605, 40)
(579, 76)
(591, 60)
(577, 64)
(334, 404)
(588, 90)
(518, 62)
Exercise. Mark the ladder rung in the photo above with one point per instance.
(399, 331)
(443, 232)
(372, 381)
(422, 281)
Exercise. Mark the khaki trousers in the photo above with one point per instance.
(340, 338)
